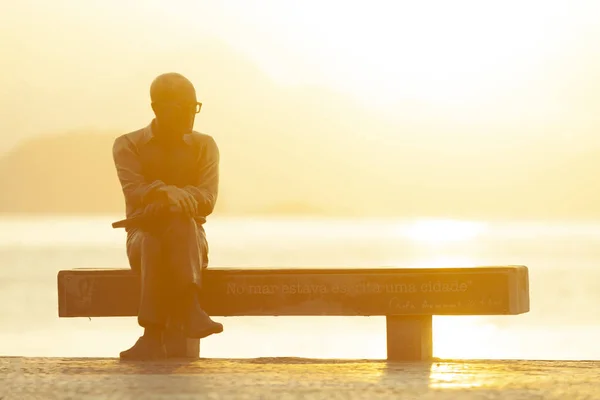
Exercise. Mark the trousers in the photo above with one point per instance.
(169, 255)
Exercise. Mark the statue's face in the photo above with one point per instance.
(176, 112)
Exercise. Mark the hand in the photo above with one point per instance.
(154, 209)
(181, 199)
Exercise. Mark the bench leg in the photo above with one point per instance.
(409, 337)
(179, 346)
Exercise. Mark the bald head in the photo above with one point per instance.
(174, 103)
(171, 87)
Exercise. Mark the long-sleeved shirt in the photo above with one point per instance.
(144, 165)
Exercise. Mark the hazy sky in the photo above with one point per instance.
(474, 61)
(328, 102)
(436, 50)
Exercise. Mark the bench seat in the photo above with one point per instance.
(407, 297)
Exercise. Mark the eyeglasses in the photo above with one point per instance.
(179, 107)
(197, 107)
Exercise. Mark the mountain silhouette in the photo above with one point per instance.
(284, 149)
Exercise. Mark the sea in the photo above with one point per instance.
(563, 259)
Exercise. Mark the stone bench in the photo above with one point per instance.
(407, 297)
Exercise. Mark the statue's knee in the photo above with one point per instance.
(141, 245)
(150, 242)
(182, 224)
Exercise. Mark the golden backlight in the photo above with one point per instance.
(457, 53)
(442, 231)
(454, 337)
(461, 104)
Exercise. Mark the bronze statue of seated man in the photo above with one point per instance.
(169, 175)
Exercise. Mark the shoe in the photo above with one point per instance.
(199, 325)
(145, 349)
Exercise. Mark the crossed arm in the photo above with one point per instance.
(206, 188)
(139, 193)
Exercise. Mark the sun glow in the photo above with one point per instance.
(463, 337)
(446, 53)
(450, 376)
(441, 231)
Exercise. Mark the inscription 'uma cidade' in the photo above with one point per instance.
(354, 289)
